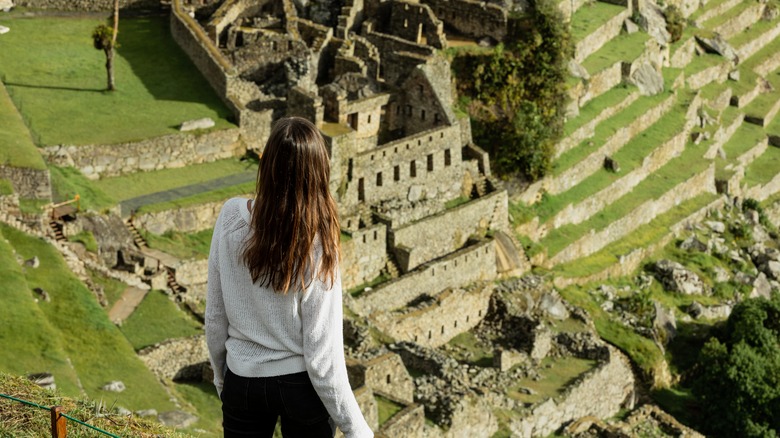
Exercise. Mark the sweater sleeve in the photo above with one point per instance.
(216, 322)
(323, 350)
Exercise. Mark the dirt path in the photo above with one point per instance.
(125, 306)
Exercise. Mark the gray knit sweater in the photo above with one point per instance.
(259, 333)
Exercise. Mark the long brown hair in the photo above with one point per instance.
(292, 206)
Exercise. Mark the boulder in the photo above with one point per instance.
(146, 413)
(44, 380)
(718, 45)
(42, 294)
(699, 311)
(716, 226)
(553, 306)
(652, 20)
(33, 262)
(674, 277)
(5, 6)
(693, 244)
(577, 70)
(648, 79)
(177, 419)
(721, 275)
(664, 322)
(630, 26)
(192, 125)
(771, 12)
(761, 287)
(4, 29)
(611, 165)
(734, 75)
(114, 386)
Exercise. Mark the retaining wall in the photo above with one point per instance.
(589, 129)
(364, 256)
(454, 312)
(170, 151)
(750, 48)
(600, 36)
(599, 393)
(177, 358)
(717, 73)
(189, 219)
(87, 5)
(438, 235)
(741, 22)
(586, 245)
(473, 18)
(28, 183)
(385, 373)
(474, 263)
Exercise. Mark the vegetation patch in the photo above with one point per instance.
(387, 408)
(470, 349)
(112, 289)
(204, 399)
(50, 68)
(16, 146)
(763, 168)
(557, 374)
(594, 107)
(181, 245)
(157, 319)
(623, 48)
(592, 16)
(68, 182)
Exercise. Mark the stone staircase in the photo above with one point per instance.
(139, 241)
(56, 229)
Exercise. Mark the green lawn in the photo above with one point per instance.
(590, 17)
(762, 105)
(157, 319)
(57, 80)
(31, 343)
(593, 108)
(181, 245)
(763, 168)
(16, 146)
(203, 397)
(625, 48)
(98, 351)
(745, 138)
(112, 289)
(766, 52)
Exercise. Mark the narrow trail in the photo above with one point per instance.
(126, 305)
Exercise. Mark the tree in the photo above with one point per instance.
(104, 38)
(739, 385)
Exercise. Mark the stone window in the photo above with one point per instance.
(349, 223)
(415, 338)
(375, 235)
(379, 179)
(289, 45)
(442, 329)
(419, 142)
(273, 45)
(441, 134)
(384, 153)
(447, 157)
(486, 250)
(397, 173)
(433, 272)
(413, 169)
(479, 313)
(388, 380)
(408, 110)
(352, 119)
(455, 324)
(429, 334)
(430, 138)
(437, 119)
(430, 162)
(422, 115)
(369, 118)
(467, 318)
(397, 109)
(420, 89)
(406, 22)
(361, 190)
(364, 238)
(395, 150)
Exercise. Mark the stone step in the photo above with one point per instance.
(594, 25)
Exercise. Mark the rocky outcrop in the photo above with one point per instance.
(676, 278)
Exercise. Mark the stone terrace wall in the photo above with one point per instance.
(703, 182)
(192, 272)
(408, 422)
(589, 129)
(748, 49)
(440, 234)
(762, 192)
(455, 311)
(600, 36)
(742, 21)
(189, 219)
(170, 151)
(473, 18)
(364, 256)
(174, 358)
(629, 263)
(600, 393)
(28, 183)
(474, 263)
(385, 373)
(88, 5)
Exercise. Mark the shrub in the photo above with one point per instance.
(675, 22)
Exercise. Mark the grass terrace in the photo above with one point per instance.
(387, 409)
(654, 186)
(764, 168)
(703, 62)
(623, 48)
(707, 7)
(112, 289)
(181, 245)
(557, 374)
(713, 90)
(203, 396)
(593, 108)
(97, 350)
(639, 238)
(763, 107)
(157, 319)
(52, 71)
(604, 131)
(590, 17)
(756, 30)
(16, 146)
(762, 55)
(727, 15)
(745, 138)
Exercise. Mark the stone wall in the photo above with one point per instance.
(588, 130)
(684, 54)
(473, 18)
(714, 11)
(414, 21)
(192, 272)
(716, 73)
(364, 256)
(385, 373)
(594, 241)
(600, 393)
(593, 42)
(87, 5)
(435, 236)
(748, 49)
(628, 263)
(761, 192)
(408, 422)
(741, 22)
(189, 219)
(768, 65)
(28, 183)
(169, 151)
(595, 161)
(773, 212)
(569, 7)
(453, 312)
(177, 358)
(468, 265)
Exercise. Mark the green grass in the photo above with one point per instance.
(201, 198)
(755, 30)
(112, 289)
(468, 345)
(625, 48)
(358, 290)
(96, 348)
(590, 17)
(557, 374)
(712, 4)
(16, 146)
(762, 105)
(6, 188)
(203, 397)
(157, 319)
(745, 138)
(387, 408)
(605, 130)
(713, 90)
(181, 245)
(143, 183)
(452, 203)
(640, 238)
(766, 52)
(703, 62)
(594, 107)
(68, 182)
(32, 206)
(51, 70)
(718, 20)
(763, 168)
(31, 343)
(87, 239)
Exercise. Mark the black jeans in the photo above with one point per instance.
(251, 406)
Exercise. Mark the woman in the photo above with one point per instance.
(273, 315)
